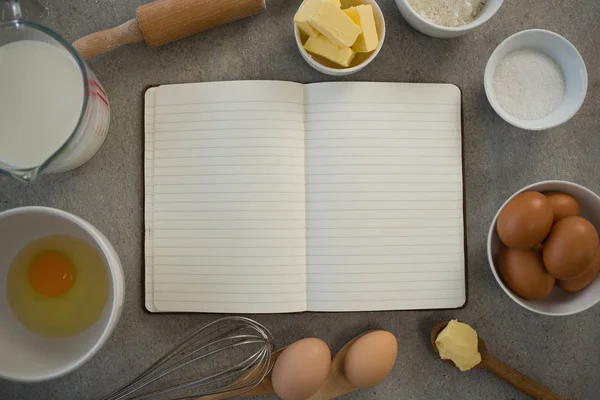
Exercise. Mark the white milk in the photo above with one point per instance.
(41, 97)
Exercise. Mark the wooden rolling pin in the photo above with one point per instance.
(165, 21)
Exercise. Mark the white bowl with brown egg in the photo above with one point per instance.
(548, 261)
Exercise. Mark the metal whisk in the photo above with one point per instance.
(244, 345)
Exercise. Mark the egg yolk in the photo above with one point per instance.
(51, 273)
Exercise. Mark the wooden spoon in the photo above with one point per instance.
(509, 374)
(299, 370)
(335, 385)
(338, 384)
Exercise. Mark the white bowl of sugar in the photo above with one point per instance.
(536, 80)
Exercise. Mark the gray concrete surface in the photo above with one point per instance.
(562, 353)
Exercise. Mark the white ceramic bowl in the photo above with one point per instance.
(422, 25)
(361, 60)
(559, 302)
(566, 56)
(26, 356)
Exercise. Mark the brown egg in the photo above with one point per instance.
(570, 248)
(301, 369)
(563, 205)
(584, 280)
(370, 359)
(524, 273)
(525, 221)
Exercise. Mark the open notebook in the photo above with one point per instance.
(270, 197)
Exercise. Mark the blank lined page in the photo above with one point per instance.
(384, 196)
(225, 198)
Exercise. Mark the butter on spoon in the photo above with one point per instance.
(503, 371)
(458, 343)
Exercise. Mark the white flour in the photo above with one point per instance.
(448, 12)
(528, 84)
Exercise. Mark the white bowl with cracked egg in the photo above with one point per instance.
(25, 355)
(445, 32)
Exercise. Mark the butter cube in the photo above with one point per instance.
(307, 10)
(363, 16)
(321, 46)
(335, 25)
(459, 342)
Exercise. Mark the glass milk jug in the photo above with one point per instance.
(54, 113)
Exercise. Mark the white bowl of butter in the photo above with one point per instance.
(339, 37)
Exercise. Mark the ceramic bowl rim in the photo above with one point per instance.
(344, 71)
(117, 283)
(531, 125)
(477, 22)
(517, 299)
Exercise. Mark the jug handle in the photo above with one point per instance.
(13, 10)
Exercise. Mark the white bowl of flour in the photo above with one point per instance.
(536, 80)
(447, 18)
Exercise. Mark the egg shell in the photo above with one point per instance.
(370, 359)
(563, 205)
(525, 221)
(584, 280)
(301, 369)
(570, 248)
(524, 273)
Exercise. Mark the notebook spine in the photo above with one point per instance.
(149, 198)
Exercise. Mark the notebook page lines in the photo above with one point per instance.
(229, 198)
(384, 197)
